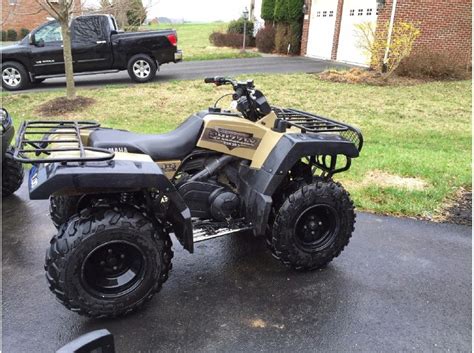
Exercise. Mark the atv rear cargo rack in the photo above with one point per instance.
(307, 122)
(34, 141)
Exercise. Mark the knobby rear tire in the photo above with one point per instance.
(61, 208)
(85, 233)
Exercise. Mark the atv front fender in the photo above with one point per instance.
(259, 185)
(114, 176)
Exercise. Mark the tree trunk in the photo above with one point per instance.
(70, 86)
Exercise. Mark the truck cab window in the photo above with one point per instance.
(87, 30)
(50, 32)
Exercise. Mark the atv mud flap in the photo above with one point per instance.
(113, 176)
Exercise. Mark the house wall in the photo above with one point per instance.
(305, 31)
(337, 29)
(25, 14)
(446, 25)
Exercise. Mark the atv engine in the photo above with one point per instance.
(210, 200)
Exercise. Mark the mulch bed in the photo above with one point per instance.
(360, 76)
(62, 105)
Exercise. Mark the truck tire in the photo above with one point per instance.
(14, 76)
(313, 225)
(108, 262)
(142, 68)
(12, 174)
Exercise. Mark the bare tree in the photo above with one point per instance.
(63, 11)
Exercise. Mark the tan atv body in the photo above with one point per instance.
(259, 168)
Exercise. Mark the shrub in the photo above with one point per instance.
(265, 39)
(24, 32)
(438, 66)
(281, 38)
(281, 11)
(4, 36)
(12, 35)
(268, 10)
(295, 10)
(294, 37)
(233, 40)
(374, 44)
(237, 26)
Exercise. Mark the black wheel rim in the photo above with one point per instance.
(113, 269)
(316, 228)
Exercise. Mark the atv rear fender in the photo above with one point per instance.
(259, 185)
(114, 176)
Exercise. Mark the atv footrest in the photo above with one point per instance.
(56, 141)
(210, 230)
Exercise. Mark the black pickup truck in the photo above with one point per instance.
(97, 46)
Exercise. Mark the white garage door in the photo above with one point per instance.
(355, 12)
(321, 28)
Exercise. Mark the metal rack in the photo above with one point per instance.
(34, 142)
(312, 123)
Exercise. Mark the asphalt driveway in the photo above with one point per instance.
(401, 285)
(200, 69)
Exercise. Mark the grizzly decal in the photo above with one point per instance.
(231, 139)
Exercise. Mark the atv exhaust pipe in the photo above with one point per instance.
(211, 168)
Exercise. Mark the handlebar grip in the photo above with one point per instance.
(209, 80)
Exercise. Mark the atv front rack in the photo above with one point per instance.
(37, 142)
(307, 122)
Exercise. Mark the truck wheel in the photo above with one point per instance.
(108, 262)
(142, 68)
(14, 76)
(61, 208)
(313, 225)
(12, 174)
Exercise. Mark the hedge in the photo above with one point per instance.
(268, 10)
(12, 35)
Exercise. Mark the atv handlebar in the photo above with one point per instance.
(250, 101)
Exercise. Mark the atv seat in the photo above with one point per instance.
(175, 144)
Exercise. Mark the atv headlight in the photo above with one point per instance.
(5, 119)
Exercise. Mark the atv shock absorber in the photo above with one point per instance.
(212, 167)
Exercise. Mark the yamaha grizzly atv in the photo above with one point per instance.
(12, 171)
(116, 195)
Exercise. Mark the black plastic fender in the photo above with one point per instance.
(112, 177)
(258, 185)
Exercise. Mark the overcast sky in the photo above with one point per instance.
(197, 10)
(193, 10)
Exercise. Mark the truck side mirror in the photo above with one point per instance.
(33, 41)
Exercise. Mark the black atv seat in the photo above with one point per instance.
(175, 144)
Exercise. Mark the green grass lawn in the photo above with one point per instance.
(193, 39)
(421, 131)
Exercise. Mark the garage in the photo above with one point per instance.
(321, 31)
(355, 12)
